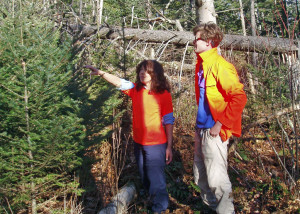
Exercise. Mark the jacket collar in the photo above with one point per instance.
(208, 55)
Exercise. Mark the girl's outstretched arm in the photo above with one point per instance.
(114, 80)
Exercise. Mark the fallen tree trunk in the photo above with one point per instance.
(120, 201)
(181, 38)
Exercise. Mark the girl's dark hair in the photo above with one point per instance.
(159, 83)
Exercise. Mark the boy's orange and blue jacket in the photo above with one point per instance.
(224, 92)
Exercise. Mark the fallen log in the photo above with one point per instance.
(120, 202)
(181, 38)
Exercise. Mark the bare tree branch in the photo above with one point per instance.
(274, 115)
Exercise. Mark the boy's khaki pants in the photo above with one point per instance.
(210, 171)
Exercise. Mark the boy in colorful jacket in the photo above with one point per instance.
(221, 100)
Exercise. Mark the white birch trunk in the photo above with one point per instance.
(205, 11)
(80, 7)
(93, 10)
(45, 5)
(99, 11)
(253, 31)
(253, 23)
(167, 6)
(242, 18)
(13, 8)
(249, 74)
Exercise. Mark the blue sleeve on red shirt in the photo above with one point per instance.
(126, 85)
(168, 119)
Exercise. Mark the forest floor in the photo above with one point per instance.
(259, 184)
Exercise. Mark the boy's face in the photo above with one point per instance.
(201, 46)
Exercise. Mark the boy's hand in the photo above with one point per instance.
(215, 130)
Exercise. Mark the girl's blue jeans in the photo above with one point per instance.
(151, 161)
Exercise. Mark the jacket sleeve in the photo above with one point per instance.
(231, 88)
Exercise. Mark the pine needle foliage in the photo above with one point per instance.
(40, 132)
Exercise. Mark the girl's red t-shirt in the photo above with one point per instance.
(148, 109)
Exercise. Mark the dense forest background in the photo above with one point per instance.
(65, 137)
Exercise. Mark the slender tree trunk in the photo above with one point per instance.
(149, 12)
(294, 84)
(80, 8)
(99, 12)
(132, 16)
(13, 8)
(249, 74)
(297, 8)
(186, 8)
(93, 11)
(253, 32)
(242, 18)
(253, 22)
(45, 5)
(167, 6)
(205, 11)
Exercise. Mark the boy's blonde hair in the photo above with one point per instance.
(209, 32)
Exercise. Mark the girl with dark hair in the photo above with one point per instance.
(152, 115)
(159, 82)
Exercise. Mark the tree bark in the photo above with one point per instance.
(242, 17)
(253, 33)
(252, 14)
(205, 11)
(253, 30)
(167, 6)
(13, 8)
(99, 11)
(297, 9)
(249, 74)
(94, 10)
(80, 8)
(180, 38)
